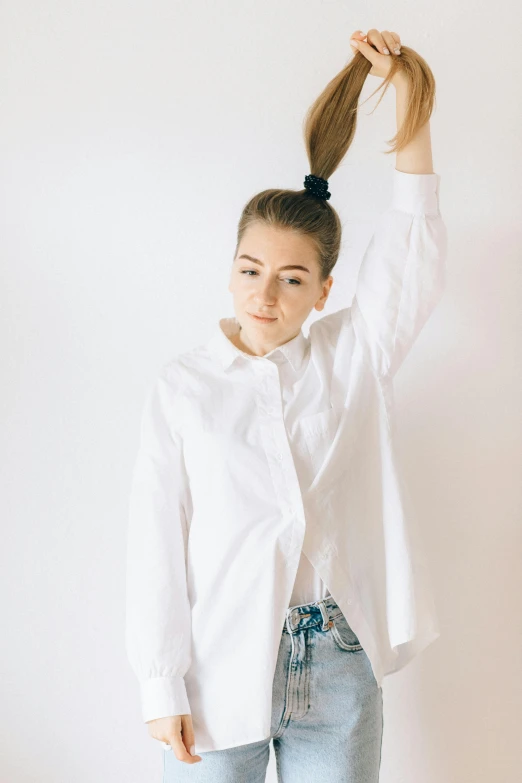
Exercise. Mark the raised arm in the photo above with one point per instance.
(158, 619)
(416, 156)
(402, 273)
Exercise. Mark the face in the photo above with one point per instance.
(275, 273)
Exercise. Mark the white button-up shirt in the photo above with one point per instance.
(262, 479)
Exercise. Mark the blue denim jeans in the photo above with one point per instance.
(327, 711)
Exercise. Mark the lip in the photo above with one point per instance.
(262, 319)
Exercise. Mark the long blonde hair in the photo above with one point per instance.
(329, 128)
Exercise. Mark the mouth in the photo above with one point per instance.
(262, 319)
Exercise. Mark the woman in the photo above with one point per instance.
(274, 573)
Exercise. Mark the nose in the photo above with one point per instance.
(265, 293)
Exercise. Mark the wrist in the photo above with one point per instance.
(400, 81)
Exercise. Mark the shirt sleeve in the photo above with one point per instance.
(402, 274)
(158, 616)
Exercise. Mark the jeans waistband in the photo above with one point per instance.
(311, 615)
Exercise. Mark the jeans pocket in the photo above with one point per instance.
(343, 635)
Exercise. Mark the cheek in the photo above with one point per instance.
(244, 281)
(239, 283)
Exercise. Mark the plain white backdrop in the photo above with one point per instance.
(131, 135)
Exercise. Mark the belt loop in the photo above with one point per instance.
(287, 621)
(324, 613)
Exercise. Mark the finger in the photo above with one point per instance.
(180, 750)
(393, 45)
(358, 35)
(368, 51)
(375, 39)
(187, 733)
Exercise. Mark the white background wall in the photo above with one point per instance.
(131, 135)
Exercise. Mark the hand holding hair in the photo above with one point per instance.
(400, 66)
(378, 49)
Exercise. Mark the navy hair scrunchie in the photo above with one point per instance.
(317, 186)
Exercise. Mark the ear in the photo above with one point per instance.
(319, 305)
(327, 285)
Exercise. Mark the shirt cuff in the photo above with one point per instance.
(162, 697)
(417, 194)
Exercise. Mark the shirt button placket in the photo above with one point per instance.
(284, 476)
(273, 408)
(286, 482)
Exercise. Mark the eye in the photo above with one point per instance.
(248, 271)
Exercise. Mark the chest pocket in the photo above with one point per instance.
(314, 434)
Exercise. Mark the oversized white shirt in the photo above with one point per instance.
(239, 474)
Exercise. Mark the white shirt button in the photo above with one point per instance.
(279, 456)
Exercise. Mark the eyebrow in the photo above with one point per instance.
(289, 266)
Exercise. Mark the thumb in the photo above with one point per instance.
(366, 49)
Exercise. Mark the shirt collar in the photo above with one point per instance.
(226, 352)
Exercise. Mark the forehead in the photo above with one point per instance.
(272, 245)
